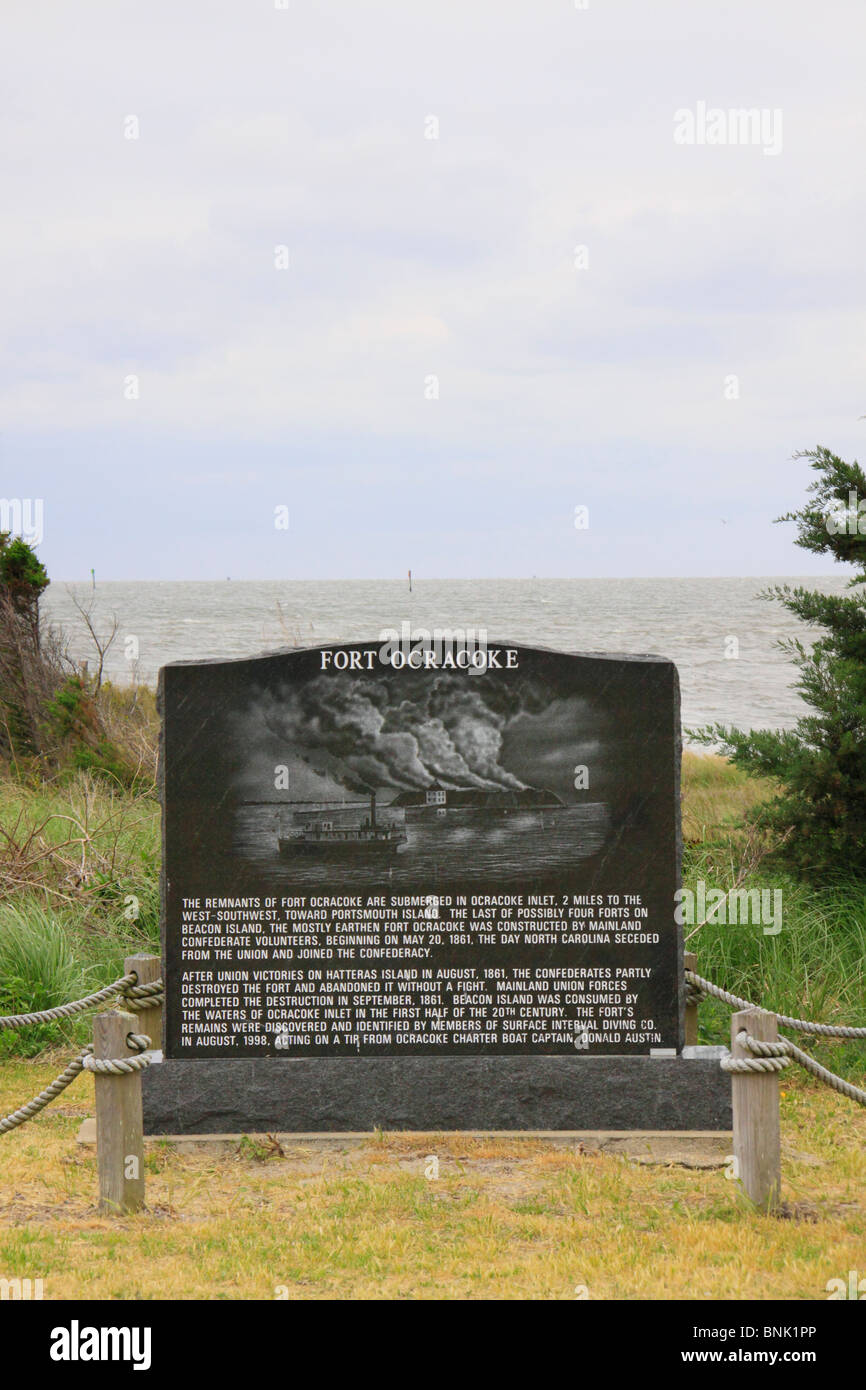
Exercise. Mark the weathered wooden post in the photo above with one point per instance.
(119, 1136)
(149, 1020)
(690, 962)
(755, 1095)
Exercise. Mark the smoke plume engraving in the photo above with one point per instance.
(365, 733)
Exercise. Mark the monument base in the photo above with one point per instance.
(301, 1095)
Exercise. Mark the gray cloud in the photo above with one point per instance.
(411, 257)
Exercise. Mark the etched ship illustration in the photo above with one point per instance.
(322, 837)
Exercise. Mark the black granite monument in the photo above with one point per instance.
(424, 888)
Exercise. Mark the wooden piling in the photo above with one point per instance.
(149, 1020)
(757, 1144)
(119, 1130)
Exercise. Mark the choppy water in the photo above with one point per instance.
(692, 621)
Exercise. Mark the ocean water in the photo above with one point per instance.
(722, 637)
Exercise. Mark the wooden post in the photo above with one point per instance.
(757, 1145)
(119, 1138)
(690, 962)
(149, 1021)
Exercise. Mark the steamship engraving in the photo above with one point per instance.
(324, 833)
(324, 837)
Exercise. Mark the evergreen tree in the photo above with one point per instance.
(821, 764)
(51, 721)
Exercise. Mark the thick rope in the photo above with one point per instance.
(747, 1064)
(828, 1077)
(78, 1006)
(122, 1066)
(774, 1056)
(137, 998)
(134, 997)
(26, 1112)
(700, 988)
(768, 1056)
(117, 1066)
(87, 1062)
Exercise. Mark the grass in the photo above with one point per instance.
(506, 1218)
(79, 890)
(716, 797)
(815, 967)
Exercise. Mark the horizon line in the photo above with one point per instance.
(457, 579)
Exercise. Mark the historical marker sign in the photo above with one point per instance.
(449, 852)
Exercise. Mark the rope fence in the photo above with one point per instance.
(84, 1062)
(135, 997)
(122, 1066)
(139, 997)
(753, 1061)
(26, 1112)
(774, 1057)
(698, 988)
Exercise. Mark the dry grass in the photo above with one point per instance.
(505, 1218)
(717, 796)
(65, 843)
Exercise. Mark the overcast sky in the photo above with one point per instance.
(598, 378)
